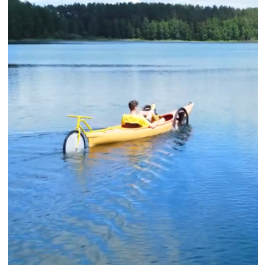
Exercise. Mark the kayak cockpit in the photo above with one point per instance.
(162, 119)
(167, 117)
(131, 125)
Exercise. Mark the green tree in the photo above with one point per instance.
(127, 20)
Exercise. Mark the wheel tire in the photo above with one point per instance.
(147, 108)
(70, 141)
(182, 117)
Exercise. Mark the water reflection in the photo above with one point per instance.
(133, 155)
(120, 176)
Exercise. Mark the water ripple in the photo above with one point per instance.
(96, 65)
(186, 197)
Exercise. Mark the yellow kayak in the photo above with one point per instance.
(75, 140)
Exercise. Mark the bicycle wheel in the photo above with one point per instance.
(70, 142)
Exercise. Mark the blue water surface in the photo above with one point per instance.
(184, 198)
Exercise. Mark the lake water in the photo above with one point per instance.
(179, 198)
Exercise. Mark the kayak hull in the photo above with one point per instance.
(120, 134)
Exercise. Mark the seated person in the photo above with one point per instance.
(143, 118)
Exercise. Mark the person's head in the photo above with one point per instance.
(133, 105)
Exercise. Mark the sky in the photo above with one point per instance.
(233, 3)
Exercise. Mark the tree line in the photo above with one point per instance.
(148, 21)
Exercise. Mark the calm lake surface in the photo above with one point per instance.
(178, 198)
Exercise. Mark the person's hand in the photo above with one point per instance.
(153, 125)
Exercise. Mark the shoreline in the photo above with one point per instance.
(62, 41)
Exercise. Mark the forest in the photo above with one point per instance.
(146, 21)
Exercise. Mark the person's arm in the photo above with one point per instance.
(153, 125)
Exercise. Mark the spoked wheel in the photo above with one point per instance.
(181, 118)
(70, 143)
(147, 108)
